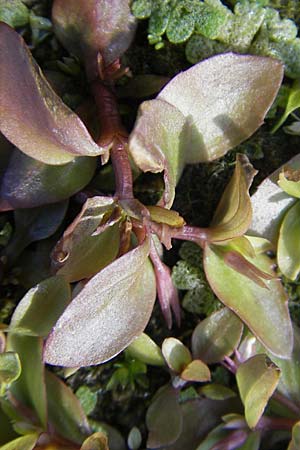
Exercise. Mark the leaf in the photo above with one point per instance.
(157, 143)
(22, 443)
(234, 212)
(176, 354)
(257, 379)
(51, 296)
(7, 432)
(65, 411)
(216, 336)
(10, 368)
(37, 121)
(225, 100)
(33, 225)
(141, 86)
(29, 388)
(28, 183)
(196, 371)
(14, 13)
(214, 436)
(91, 242)
(269, 204)
(164, 418)
(289, 182)
(89, 27)
(288, 251)
(295, 442)
(216, 391)
(87, 398)
(252, 442)
(146, 350)
(134, 439)
(112, 308)
(263, 310)
(97, 441)
(293, 103)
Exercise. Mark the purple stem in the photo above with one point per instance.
(275, 423)
(194, 234)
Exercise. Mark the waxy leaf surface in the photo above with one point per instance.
(64, 410)
(144, 349)
(110, 311)
(263, 309)
(224, 99)
(234, 212)
(257, 379)
(36, 121)
(91, 242)
(217, 336)
(288, 250)
(269, 204)
(176, 354)
(28, 183)
(89, 27)
(196, 371)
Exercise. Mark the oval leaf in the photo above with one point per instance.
(145, 350)
(22, 443)
(217, 336)
(89, 27)
(98, 441)
(176, 354)
(36, 121)
(196, 371)
(225, 99)
(288, 250)
(263, 309)
(110, 311)
(10, 367)
(287, 181)
(257, 379)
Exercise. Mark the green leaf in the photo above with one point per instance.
(222, 101)
(263, 309)
(112, 308)
(215, 436)
(257, 379)
(22, 443)
(217, 336)
(217, 391)
(176, 354)
(295, 442)
(164, 418)
(7, 432)
(28, 183)
(252, 442)
(10, 368)
(157, 143)
(134, 439)
(89, 27)
(234, 212)
(14, 13)
(289, 181)
(64, 410)
(87, 398)
(51, 296)
(146, 350)
(288, 251)
(91, 242)
(97, 441)
(29, 388)
(196, 371)
(293, 103)
(115, 438)
(141, 8)
(37, 121)
(181, 24)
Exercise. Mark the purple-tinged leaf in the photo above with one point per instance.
(65, 411)
(224, 99)
(89, 27)
(263, 310)
(110, 311)
(217, 336)
(176, 354)
(32, 116)
(28, 183)
(257, 379)
(164, 418)
(91, 242)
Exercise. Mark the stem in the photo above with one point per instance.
(275, 423)
(193, 234)
(122, 170)
(286, 402)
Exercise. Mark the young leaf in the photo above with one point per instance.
(216, 391)
(196, 371)
(217, 336)
(37, 121)
(264, 310)
(288, 250)
(98, 441)
(113, 308)
(145, 350)
(176, 354)
(50, 296)
(10, 368)
(293, 103)
(295, 442)
(234, 212)
(225, 100)
(89, 27)
(164, 418)
(64, 410)
(22, 443)
(257, 379)
(91, 242)
(48, 184)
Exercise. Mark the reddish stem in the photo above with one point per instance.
(275, 423)
(193, 234)
(122, 170)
